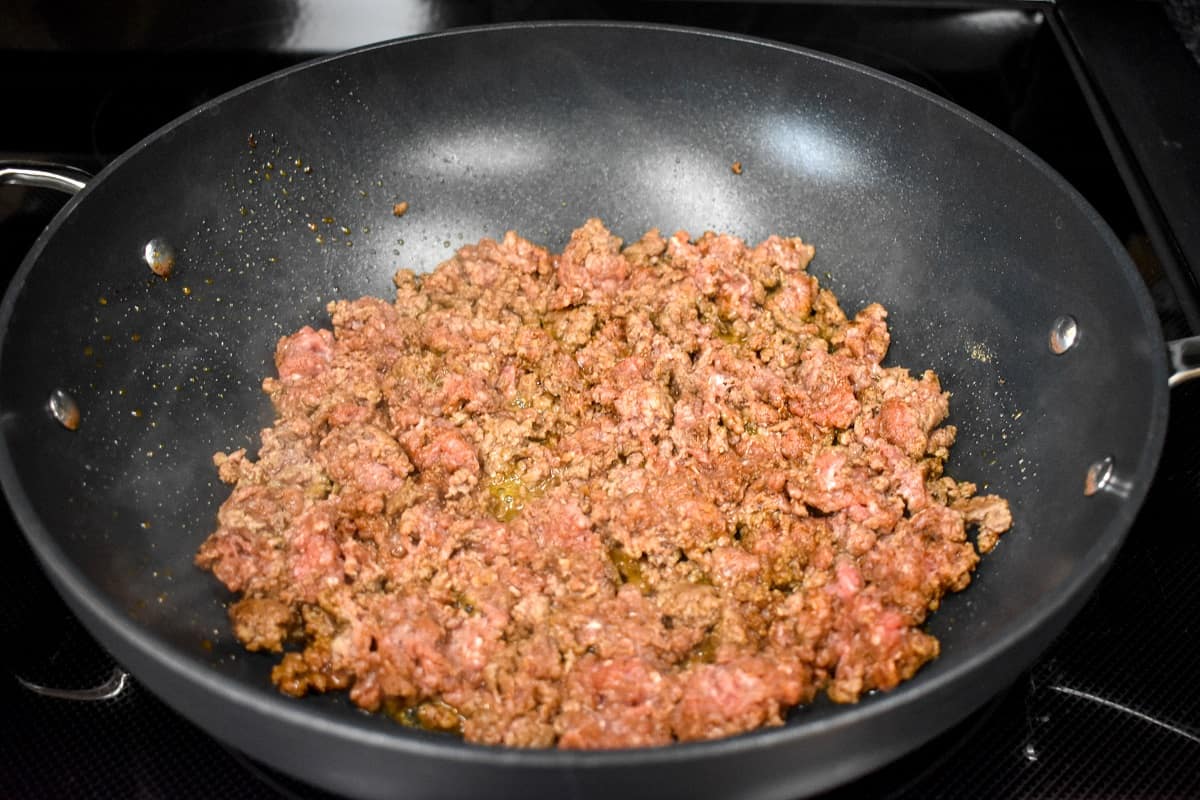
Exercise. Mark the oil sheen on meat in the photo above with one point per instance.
(614, 497)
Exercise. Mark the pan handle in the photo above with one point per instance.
(116, 683)
(45, 176)
(1185, 360)
(70, 180)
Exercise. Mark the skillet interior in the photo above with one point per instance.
(972, 244)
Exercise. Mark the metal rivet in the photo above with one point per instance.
(159, 255)
(1102, 477)
(64, 409)
(1063, 334)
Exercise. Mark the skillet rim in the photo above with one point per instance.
(181, 665)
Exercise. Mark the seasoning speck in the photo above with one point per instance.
(980, 352)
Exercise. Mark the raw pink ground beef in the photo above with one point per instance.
(616, 497)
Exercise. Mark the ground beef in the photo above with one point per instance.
(610, 498)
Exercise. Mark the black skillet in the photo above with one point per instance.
(975, 246)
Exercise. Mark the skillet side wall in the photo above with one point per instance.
(974, 249)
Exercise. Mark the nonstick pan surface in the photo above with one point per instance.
(972, 243)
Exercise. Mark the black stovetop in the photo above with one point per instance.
(1106, 93)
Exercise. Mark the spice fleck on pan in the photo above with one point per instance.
(980, 352)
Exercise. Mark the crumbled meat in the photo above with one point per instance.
(615, 497)
(262, 623)
(992, 516)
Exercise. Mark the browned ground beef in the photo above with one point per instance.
(608, 498)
